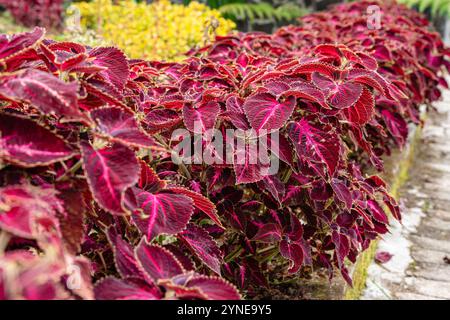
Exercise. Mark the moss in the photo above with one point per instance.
(365, 259)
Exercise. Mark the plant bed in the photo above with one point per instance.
(97, 199)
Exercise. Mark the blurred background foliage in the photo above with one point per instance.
(166, 30)
(433, 7)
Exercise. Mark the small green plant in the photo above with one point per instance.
(238, 10)
(436, 7)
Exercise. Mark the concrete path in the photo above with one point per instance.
(420, 266)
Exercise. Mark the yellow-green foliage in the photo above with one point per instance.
(157, 31)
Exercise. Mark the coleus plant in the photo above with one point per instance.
(92, 200)
(32, 13)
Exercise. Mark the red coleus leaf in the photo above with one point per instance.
(30, 212)
(306, 91)
(109, 171)
(396, 125)
(201, 119)
(149, 180)
(111, 288)
(64, 56)
(194, 286)
(120, 126)
(342, 192)
(342, 245)
(248, 165)
(115, 62)
(200, 202)
(71, 221)
(314, 144)
(157, 262)
(236, 113)
(383, 257)
(161, 119)
(161, 213)
(311, 67)
(377, 212)
(203, 246)
(124, 258)
(340, 95)
(19, 47)
(363, 110)
(25, 143)
(265, 112)
(269, 232)
(275, 186)
(45, 92)
(294, 252)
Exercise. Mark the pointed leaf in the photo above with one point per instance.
(121, 126)
(363, 110)
(161, 213)
(125, 261)
(203, 246)
(264, 111)
(212, 288)
(110, 171)
(200, 202)
(117, 289)
(313, 144)
(45, 92)
(201, 119)
(157, 262)
(294, 252)
(25, 143)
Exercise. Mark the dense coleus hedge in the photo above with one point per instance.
(31, 13)
(91, 201)
(160, 30)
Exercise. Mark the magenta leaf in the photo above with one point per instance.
(121, 126)
(110, 171)
(194, 286)
(149, 180)
(340, 95)
(313, 144)
(396, 125)
(115, 62)
(377, 212)
(264, 111)
(157, 262)
(363, 110)
(160, 119)
(342, 245)
(202, 118)
(203, 246)
(269, 232)
(342, 192)
(294, 252)
(274, 186)
(19, 47)
(126, 263)
(111, 288)
(45, 92)
(161, 213)
(30, 212)
(25, 143)
(383, 257)
(200, 202)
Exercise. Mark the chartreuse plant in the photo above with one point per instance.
(88, 180)
(157, 31)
